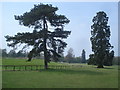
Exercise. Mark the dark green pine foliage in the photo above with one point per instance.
(100, 40)
(91, 60)
(42, 39)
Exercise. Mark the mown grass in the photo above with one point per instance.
(78, 77)
(20, 61)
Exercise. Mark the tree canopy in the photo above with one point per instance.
(42, 39)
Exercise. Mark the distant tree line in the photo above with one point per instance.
(70, 57)
(13, 53)
(116, 60)
(20, 54)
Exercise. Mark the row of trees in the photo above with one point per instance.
(12, 53)
(69, 58)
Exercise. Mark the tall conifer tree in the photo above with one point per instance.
(42, 39)
(100, 38)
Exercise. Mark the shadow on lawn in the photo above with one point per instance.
(68, 71)
(104, 68)
(108, 68)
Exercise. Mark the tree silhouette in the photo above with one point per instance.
(83, 56)
(42, 39)
(100, 38)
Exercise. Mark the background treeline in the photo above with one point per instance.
(69, 58)
(12, 53)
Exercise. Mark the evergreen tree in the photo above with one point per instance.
(109, 58)
(42, 38)
(83, 56)
(91, 60)
(100, 38)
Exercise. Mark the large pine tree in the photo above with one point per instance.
(42, 39)
(100, 39)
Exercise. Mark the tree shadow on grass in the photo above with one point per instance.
(70, 71)
(103, 68)
(108, 68)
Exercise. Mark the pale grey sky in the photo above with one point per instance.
(80, 15)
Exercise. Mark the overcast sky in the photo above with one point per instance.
(80, 15)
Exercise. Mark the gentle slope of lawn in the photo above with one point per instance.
(77, 77)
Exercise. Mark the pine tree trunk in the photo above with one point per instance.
(100, 61)
(45, 62)
(45, 47)
(100, 66)
(45, 55)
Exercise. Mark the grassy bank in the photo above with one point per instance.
(78, 77)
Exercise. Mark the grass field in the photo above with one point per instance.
(87, 76)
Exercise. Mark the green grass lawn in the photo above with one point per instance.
(18, 61)
(87, 76)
